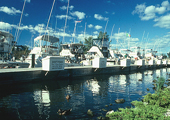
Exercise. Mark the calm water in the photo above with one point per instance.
(41, 100)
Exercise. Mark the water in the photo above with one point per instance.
(41, 100)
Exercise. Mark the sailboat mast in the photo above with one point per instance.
(17, 32)
(85, 29)
(20, 21)
(65, 21)
(129, 38)
(112, 29)
(146, 42)
(104, 31)
(117, 38)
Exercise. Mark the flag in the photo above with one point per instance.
(128, 35)
(77, 21)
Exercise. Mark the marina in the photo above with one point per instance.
(63, 60)
(42, 100)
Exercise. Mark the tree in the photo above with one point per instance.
(103, 35)
(168, 55)
(164, 56)
(22, 50)
(87, 44)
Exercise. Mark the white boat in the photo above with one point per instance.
(44, 45)
(73, 53)
(135, 52)
(6, 44)
(100, 49)
(6, 39)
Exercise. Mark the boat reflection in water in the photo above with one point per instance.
(42, 100)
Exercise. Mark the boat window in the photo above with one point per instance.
(2, 38)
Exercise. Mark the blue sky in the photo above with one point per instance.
(147, 21)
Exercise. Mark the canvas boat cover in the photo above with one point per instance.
(48, 38)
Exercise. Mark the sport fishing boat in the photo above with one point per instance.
(100, 49)
(44, 45)
(73, 53)
(6, 44)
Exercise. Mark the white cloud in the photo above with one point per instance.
(147, 13)
(80, 15)
(10, 11)
(80, 37)
(123, 36)
(39, 28)
(65, 8)
(96, 32)
(64, 16)
(161, 10)
(165, 4)
(100, 17)
(97, 27)
(148, 16)
(28, 1)
(163, 21)
(150, 9)
(71, 7)
(64, 0)
(119, 36)
(61, 34)
(106, 12)
(139, 9)
(5, 26)
(113, 13)
(90, 25)
(133, 39)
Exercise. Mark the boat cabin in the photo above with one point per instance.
(6, 40)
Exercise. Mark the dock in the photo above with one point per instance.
(17, 75)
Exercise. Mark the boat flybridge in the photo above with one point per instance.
(125, 52)
(100, 49)
(44, 45)
(135, 52)
(149, 53)
(73, 53)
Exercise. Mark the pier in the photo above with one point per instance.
(16, 75)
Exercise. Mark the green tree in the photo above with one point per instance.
(19, 52)
(103, 35)
(89, 41)
(164, 56)
(88, 44)
(168, 55)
